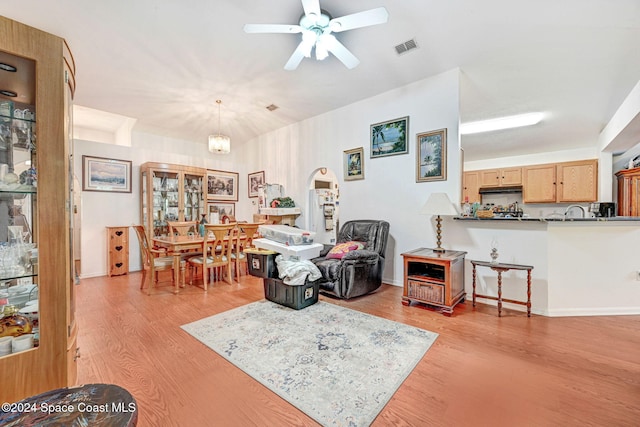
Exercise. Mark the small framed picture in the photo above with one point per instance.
(389, 138)
(354, 164)
(222, 185)
(255, 180)
(102, 174)
(431, 156)
(223, 209)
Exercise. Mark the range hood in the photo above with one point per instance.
(496, 190)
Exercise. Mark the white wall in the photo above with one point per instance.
(593, 268)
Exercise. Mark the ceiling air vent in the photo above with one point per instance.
(406, 46)
(272, 107)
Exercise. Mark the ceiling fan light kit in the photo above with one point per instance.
(317, 26)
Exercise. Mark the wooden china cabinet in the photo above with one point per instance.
(37, 83)
(629, 192)
(170, 193)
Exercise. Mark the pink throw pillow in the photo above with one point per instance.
(339, 250)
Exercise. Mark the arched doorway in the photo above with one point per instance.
(323, 205)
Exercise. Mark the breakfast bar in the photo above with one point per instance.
(583, 266)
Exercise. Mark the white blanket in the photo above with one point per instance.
(296, 272)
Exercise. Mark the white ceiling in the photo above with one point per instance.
(165, 62)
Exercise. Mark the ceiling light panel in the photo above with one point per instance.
(501, 123)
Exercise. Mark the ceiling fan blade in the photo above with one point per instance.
(296, 58)
(339, 51)
(359, 20)
(272, 28)
(311, 7)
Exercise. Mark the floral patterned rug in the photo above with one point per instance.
(337, 365)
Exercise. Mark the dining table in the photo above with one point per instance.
(177, 245)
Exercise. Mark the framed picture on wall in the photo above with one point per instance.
(255, 180)
(354, 164)
(222, 185)
(389, 138)
(431, 156)
(228, 209)
(103, 174)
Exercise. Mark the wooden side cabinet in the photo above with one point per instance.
(629, 192)
(434, 278)
(117, 251)
(500, 177)
(539, 184)
(578, 181)
(567, 182)
(471, 187)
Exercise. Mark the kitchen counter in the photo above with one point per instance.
(583, 266)
(552, 219)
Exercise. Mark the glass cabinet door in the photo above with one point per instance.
(170, 193)
(193, 197)
(166, 201)
(18, 230)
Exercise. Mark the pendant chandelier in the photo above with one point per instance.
(219, 143)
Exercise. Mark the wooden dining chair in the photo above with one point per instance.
(216, 252)
(228, 219)
(248, 231)
(154, 261)
(182, 228)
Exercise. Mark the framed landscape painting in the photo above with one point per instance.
(354, 164)
(256, 179)
(102, 174)
(431, 156)
(222, 185)
(389, 138)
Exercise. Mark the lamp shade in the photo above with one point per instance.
(220, 144)
(438, 204)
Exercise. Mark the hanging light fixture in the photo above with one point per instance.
(219, 143)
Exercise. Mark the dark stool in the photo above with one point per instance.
(87, 405)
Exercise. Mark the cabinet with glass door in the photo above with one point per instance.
(170, 193)
(38, 331)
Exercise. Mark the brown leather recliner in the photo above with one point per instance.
(359, 272)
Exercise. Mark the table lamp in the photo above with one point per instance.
(438, 204)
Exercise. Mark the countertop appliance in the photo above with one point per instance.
(603, 209)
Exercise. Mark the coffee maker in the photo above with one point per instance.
(603, 209)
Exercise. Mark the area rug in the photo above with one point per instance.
(338, 366)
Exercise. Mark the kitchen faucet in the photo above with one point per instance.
(575, 206)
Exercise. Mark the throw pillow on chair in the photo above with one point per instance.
(339, 250)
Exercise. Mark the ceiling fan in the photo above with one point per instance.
(317, 26)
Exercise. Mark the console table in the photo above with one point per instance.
(434, 278)
(500, 268)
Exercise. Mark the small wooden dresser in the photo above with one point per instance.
(117, 251)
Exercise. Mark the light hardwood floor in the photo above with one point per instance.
(482, 370)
